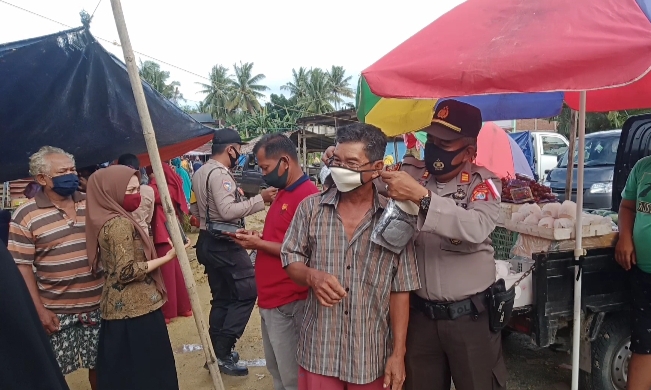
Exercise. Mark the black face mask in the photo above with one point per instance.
(234, 159)
(438, 161)
(273, 179)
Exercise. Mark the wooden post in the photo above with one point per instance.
(154, 156)
(570, 157)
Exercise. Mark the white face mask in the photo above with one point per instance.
(346, 180)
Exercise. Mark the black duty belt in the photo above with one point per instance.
(450, 310)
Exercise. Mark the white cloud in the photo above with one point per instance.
(277, 36)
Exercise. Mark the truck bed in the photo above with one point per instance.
(605, 289)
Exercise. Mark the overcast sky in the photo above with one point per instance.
(276, 35)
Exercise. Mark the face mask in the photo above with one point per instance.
(277, 181)
(131, 202)
(345, 179)
(234, 159)
(439, 161)
(65, 185)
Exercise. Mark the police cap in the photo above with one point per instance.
(226, 136)
(454, 119)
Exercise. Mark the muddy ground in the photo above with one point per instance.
(529, 367)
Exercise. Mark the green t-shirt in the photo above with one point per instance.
(638, 188)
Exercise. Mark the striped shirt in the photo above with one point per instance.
(351, 340)
(41, 235)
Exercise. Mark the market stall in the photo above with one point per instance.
(532, 221)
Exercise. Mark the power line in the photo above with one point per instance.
(178, 67)
(97, 6)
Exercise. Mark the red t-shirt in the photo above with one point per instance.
(275, 288)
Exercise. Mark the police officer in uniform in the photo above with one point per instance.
(229, 269)
(448, 335)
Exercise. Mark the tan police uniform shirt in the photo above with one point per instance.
(224, 205)
(145, 212)
(453, 248)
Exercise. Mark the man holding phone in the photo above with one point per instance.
(281, 301)
(221, 208)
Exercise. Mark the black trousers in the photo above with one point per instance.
(231, 278)
(136, 354)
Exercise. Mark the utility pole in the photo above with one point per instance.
(170, 214)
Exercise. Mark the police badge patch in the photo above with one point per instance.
(455, 242)
(228, 186)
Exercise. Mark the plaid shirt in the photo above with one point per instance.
(351, 340)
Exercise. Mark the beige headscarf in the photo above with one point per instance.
(104, 197)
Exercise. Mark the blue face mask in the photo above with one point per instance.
(65, 185)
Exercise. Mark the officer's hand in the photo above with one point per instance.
(326, 287)
(394, 372)
(248, 239)
(625, 252)
(269, 194)
(49, 320)
(327, 155)
(401, 186)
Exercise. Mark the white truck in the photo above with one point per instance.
(547, 148)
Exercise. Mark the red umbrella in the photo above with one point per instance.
(488, 46)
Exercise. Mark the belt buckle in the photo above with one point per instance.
(440, 311)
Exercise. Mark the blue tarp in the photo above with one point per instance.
(66, 90)
(523, 139)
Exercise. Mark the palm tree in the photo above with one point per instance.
(246, 88)
(319, 93)
(340, 85)
(219, 92)
(151, 72)
(298, 86)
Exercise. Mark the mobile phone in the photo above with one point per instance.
(185, 238)
(227, 230)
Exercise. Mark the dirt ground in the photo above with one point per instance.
(529, 367)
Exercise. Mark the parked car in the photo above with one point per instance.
(600, 154)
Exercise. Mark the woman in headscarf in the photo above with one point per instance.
(178, 300)
(185, 177)
(134, 350)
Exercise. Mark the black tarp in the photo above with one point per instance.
(66, 90)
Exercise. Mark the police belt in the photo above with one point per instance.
(450, 310)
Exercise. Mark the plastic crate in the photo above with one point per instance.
(503, 241)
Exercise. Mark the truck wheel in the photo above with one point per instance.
(610, 356)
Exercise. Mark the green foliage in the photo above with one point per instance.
(234, 98)
(594, 121)
(151, 72)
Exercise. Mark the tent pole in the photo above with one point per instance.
(570, 158)
(154, 156)
(578, 249)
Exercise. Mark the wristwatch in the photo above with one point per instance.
(424, 202)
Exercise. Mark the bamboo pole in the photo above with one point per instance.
(154, 156)
(570, 157)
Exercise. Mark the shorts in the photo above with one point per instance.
(311, 381)
(641, 312)
(75, 344)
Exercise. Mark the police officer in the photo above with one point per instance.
(229, 269)
(448, 337)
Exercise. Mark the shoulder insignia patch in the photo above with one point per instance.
(480, 193)
(465, 177)
(228, 186)
(394, 167)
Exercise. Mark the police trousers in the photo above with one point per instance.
(463, 350)
(231, 278)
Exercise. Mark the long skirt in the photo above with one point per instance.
(178, 300)
(136, 354)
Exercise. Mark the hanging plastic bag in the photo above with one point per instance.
(397, 225)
